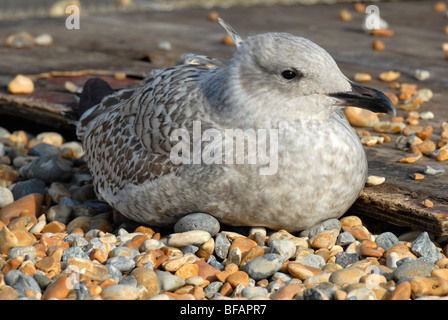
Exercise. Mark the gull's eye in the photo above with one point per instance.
(289, 74)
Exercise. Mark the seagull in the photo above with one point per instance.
(283, 90)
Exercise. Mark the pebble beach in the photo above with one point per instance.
(58, 241)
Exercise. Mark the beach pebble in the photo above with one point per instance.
(345, 238)
(22, 283)
(6, 197)
(386, 240)
(23, 188)
(194, 237)
(422, 75)
(434, 170)
(48, 168)
(121, 292)
(21, 85)
(264, 266)
(311, 260)
(20, 40)
(284, 248)
(44, 39)
(169, 282)
(198, 221)
(422, 246)
(375, 180)
(413, 268)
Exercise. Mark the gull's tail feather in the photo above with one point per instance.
(232, 33)
(93, 91)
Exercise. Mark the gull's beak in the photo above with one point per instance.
(364, 97)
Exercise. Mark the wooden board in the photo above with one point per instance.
(127, 42)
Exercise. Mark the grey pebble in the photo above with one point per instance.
(123, 263)
(59, 213)
(16, 252)
(321, 226)
(84, 193)
(253, 292)
(169, 282)
(21, 282)
(198, 221)
(123, 251)
(386, 240)
(66, 201)
(413, 268)
(189, 249)
(43, 149)
(23, 188)
(423, 247)
(344, 258)
(42, 280)
(215, 263)
(313, 294)
(76, 240)
(281, 276)
(82, 291)
(285, 248)
(74, 252)
(150, 244)
(311, 260)
(113, 272)
(82, 211)
(222, 245)
(345, 238)
(48, 168)
(129, 280)
(212, 288)
(264, 266)
(234, 256)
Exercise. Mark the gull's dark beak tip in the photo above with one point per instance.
(366, 98)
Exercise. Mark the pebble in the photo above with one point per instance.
(6, 197)
(20, 40)
(422, 246)
(44, 39)
(413, 268)
(48, 168)
(375, 180)
(433, 170)
(386, 240)
(285, 248)
(389, 76)
(264, 266)
(182, 239)
(23, 188)
(169, 282)
(121, 292)
(198, 221)
(345, 238)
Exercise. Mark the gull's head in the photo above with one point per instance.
(295, 76)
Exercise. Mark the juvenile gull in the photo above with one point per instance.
(274, 81)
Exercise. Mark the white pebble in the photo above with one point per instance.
(44, 39)
(6, 197)
(375, 180)
(422, 75)
(164, 45)
(426, 115)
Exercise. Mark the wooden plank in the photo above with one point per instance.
(128, 43)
